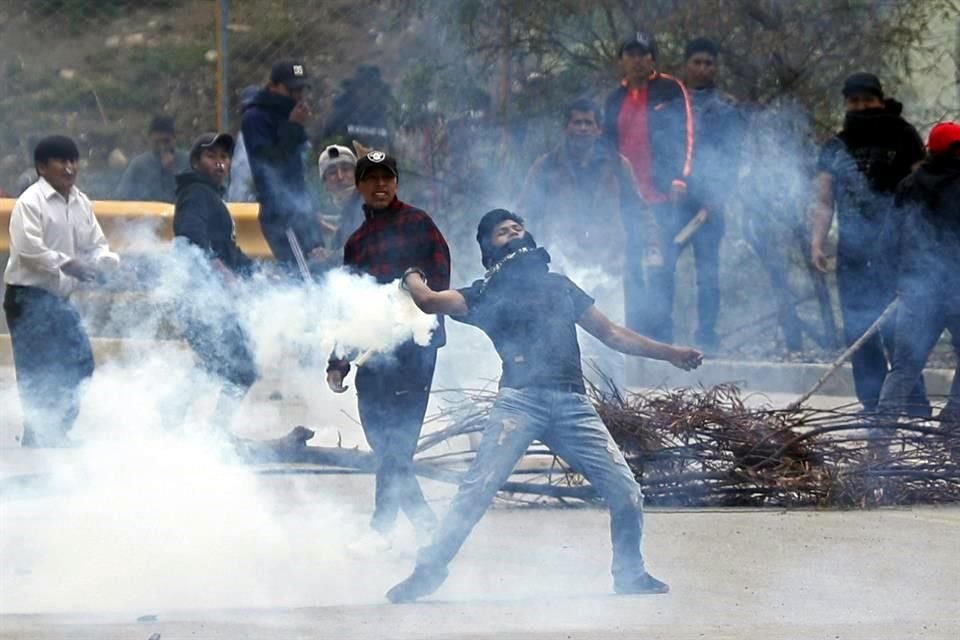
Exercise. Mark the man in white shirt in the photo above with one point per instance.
(55, 245)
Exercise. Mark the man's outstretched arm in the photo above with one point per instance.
(632, 343)
(450, 302)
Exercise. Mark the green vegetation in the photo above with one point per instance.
(74, 9)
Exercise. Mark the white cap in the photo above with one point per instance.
(333, 155)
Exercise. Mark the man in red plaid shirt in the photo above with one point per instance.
(393, 389)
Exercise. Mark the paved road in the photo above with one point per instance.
(208, 567)
(155, 527)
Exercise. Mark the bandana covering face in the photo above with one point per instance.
(518, 260)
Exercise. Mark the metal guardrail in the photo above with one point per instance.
(147, 227)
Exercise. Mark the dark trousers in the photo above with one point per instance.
(222, 345)
(920, 321)
(274, 223)
(649, 293)
(865, 288)
(52, 357)
(392, 396)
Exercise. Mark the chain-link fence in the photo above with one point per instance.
(99, 70)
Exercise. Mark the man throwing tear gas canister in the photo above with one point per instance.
(531, 316)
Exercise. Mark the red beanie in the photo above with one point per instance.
(943, 137)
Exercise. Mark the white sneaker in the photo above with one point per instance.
(369, 544)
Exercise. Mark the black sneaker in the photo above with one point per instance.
(642, 584)
(422, 582)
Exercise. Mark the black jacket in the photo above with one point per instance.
(875, 150)
(365, 120)
(670, 126)
(930, 240)
(203, 220)
(275, 147)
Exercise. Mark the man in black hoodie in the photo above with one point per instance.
(858, 172)
(275, 141)
(929, 275)
(205, 239)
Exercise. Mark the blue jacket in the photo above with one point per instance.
(720, 128)
(275, 147)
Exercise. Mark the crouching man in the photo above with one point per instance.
(530, 315)
(201, 221)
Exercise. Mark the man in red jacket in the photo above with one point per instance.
(649, 120)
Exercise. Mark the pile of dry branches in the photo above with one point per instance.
(705, 447)
(701, 447)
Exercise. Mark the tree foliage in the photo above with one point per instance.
(770, 49)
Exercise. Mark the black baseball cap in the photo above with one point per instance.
(209, 140)
(290, 73)
(862, 82)
(638, 40)
(375, 159)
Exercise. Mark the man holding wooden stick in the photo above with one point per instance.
(929, 274)
(531, 316)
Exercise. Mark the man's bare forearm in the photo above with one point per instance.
(449, 302)
(822, 211)
(633, 344)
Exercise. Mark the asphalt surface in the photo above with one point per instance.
(133, 538)
(542, 574)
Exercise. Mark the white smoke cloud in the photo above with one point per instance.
(153, 510)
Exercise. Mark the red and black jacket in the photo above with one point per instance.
(670, 127)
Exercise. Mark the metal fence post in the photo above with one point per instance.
(223, 54)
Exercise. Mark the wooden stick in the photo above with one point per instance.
(691, 228)
(364, 357)
(846, 355)
(298, 255)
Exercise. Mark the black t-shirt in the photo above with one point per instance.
(532, 324)
(874, 152)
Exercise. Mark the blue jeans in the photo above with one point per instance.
(921, 318)
(52, 358)
(865, 288)
(568, 424)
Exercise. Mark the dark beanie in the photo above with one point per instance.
(485, 229)
(162, 124)
(862, 82)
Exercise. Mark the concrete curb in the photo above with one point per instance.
(761, 377)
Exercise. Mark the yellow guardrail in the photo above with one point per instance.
(133, 227)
